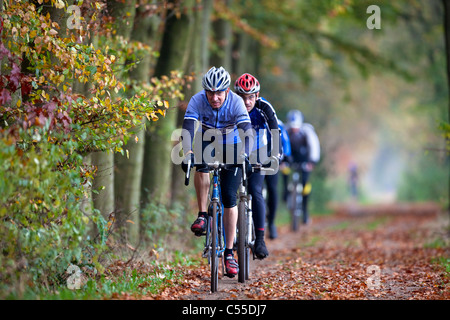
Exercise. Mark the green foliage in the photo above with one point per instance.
(158, 223)
(46, 128)
(42, 226)
(444, 127)
(426, 180)
(139, 281)
(320, 192)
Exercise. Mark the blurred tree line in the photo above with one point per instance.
(91, 92)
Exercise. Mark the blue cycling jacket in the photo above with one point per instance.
(264, 119)
(228, 118)
(285, 142)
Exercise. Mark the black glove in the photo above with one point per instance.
(184, 164)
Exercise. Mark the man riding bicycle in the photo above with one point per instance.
(220, 113)
(305, 153)
(272, 182)
(264, 118)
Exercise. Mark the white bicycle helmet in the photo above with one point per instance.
(295, 119)
(216, 79)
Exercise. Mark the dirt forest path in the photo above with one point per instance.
(388, 252)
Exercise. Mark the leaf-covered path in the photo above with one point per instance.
(381, 252)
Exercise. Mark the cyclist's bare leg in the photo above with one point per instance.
(201, 183)
(229, 222)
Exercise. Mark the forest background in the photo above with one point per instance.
(91, 92)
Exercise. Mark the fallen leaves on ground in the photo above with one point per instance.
(387, 253)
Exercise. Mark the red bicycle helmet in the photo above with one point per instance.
(247, 84)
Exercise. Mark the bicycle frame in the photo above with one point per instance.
(215, 198)
(215, 235)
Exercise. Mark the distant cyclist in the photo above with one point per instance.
(353, 178)
(272, 182)
(305, 152)
(220, 113)
(265, 123)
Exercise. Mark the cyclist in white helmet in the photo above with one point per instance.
(217, 108)
(305, 154)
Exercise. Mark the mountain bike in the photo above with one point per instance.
(245, 233)
(215, 236)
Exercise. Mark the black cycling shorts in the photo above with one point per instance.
(230, 178)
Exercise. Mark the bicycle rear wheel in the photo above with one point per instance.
(214, 250)
(241, 246)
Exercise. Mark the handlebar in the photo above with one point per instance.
(211, 166)
(216, 165)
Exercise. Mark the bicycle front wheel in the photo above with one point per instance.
(214, 250)
(242, 231)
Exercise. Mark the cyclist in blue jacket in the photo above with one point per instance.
(265, 123)
(272, 181)
(220, 113)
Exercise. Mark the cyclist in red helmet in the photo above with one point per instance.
(265, 123)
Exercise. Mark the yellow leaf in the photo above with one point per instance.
(136, 139)
(166, 104)
(19, 103)
(59, 4)
(108, 104)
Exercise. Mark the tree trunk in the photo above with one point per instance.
(246, 57)
(199, 63)
(158, 165)
(129, 169)
(123, 14)
(224, 38)
(446, 4)
(447, 44)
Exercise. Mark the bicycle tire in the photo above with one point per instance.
(247, 247)
(214, 253)
(241, 242)
(295, 216)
